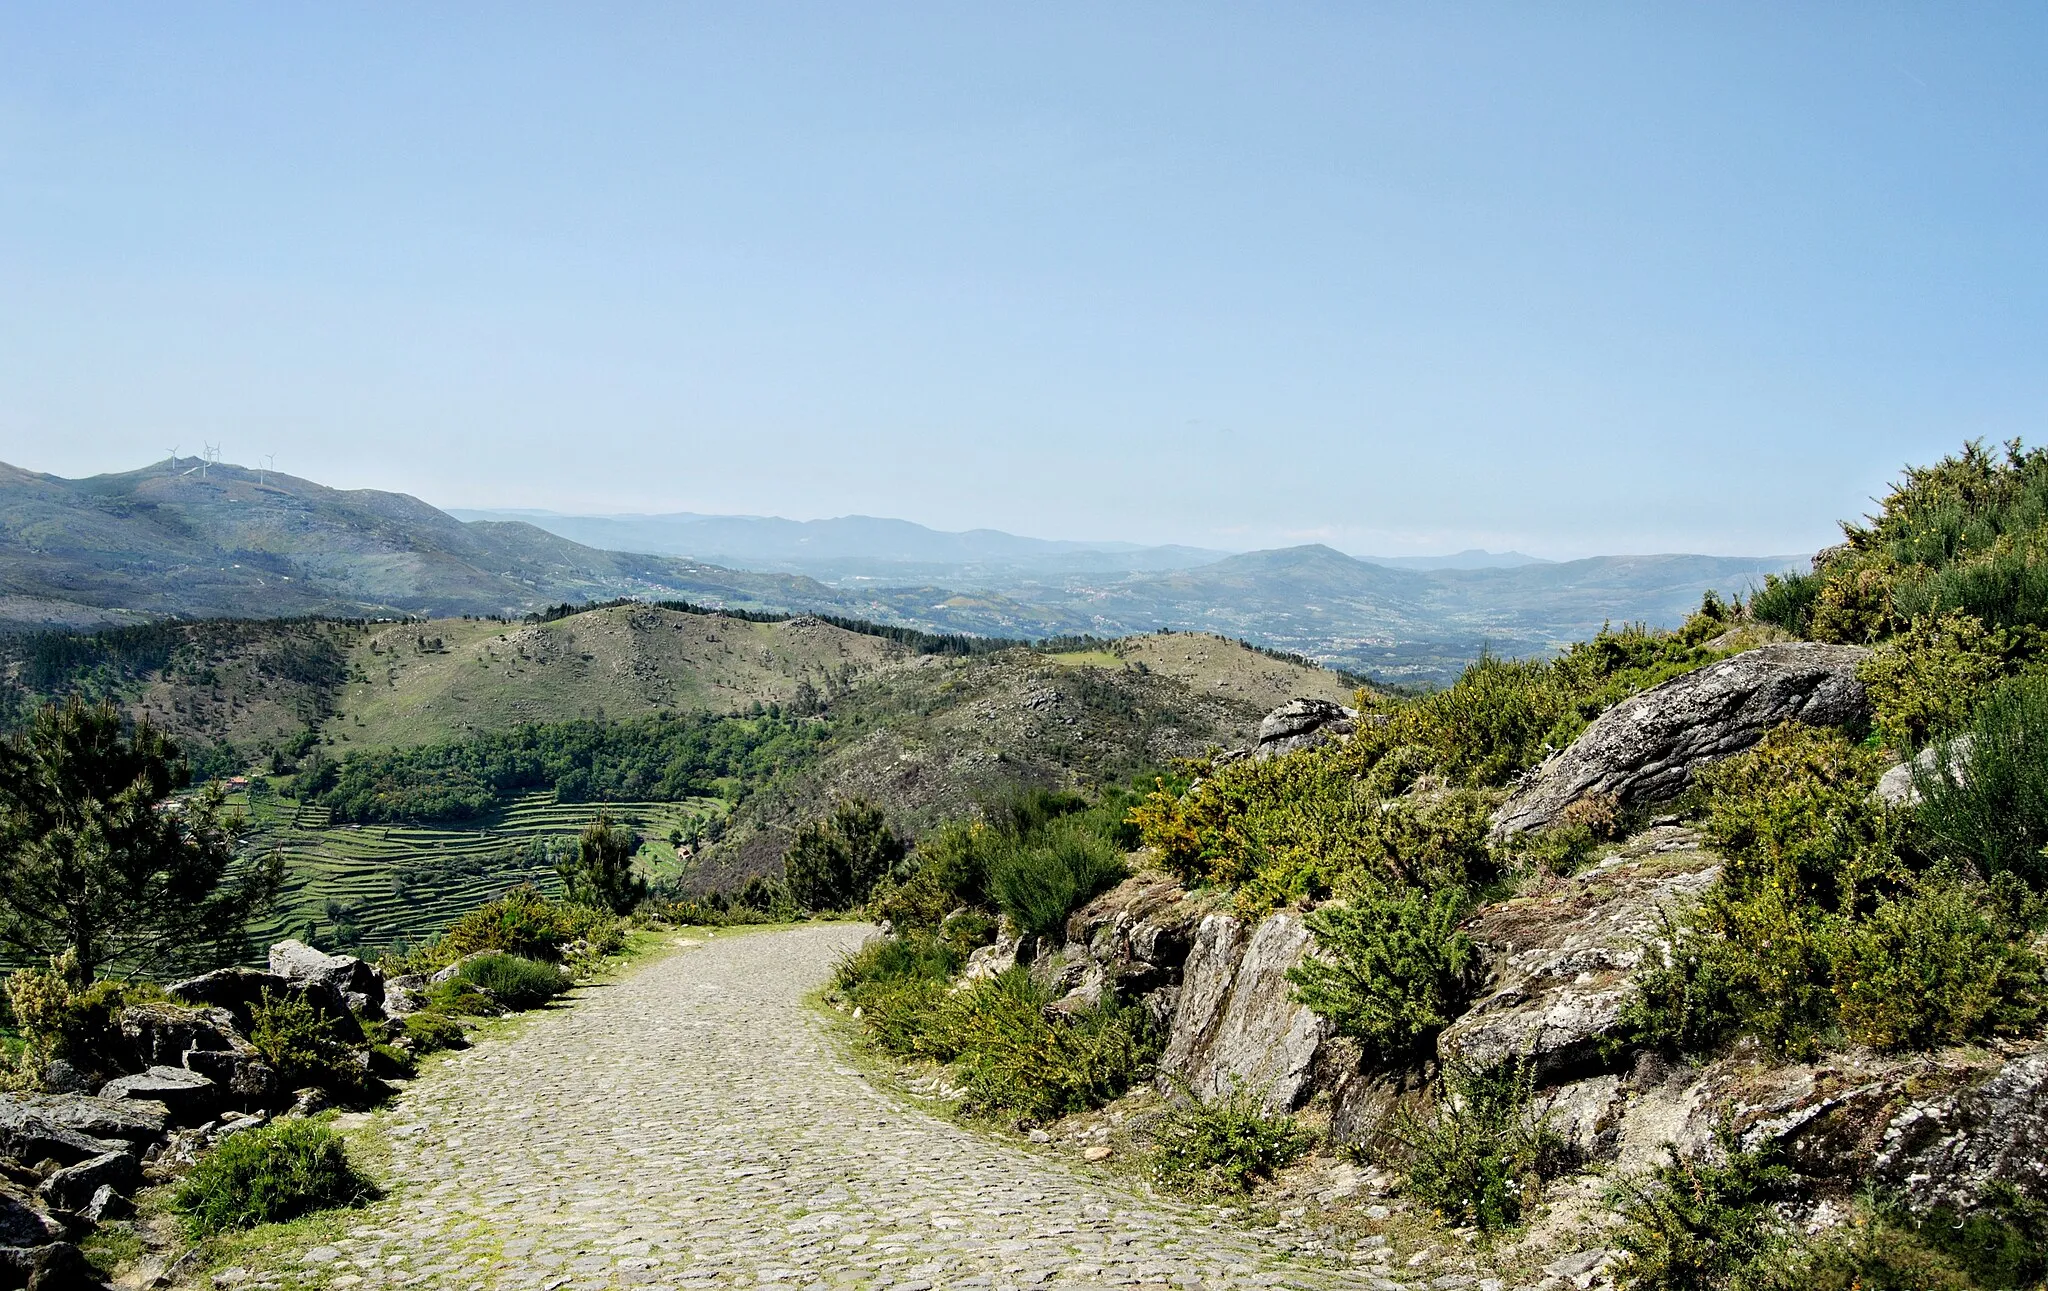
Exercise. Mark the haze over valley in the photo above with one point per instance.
(173, 539)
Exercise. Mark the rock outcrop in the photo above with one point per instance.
(1644, 749)
(1304, 724)
(360, 986)
(1561, 960)
(1236, 1024)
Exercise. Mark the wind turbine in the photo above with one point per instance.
(174, 459)
(206, 454)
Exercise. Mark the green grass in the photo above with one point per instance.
(1086, 659)
(363, 870)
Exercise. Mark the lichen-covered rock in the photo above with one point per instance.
(100, 1118)
(160, 1035)
(1236, 1024)
(238, 990)
(57, 1266)
(29, 1136)
(1899, 786)
(359, 985)
(1136, 935)
(1561, 960)
(73, 1186)
(1948, 1150)
(23, 1221)
(189, 1096)
(1304, 724)
(1644, 749)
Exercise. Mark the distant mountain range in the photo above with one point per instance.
(865, 548)
(180, 539)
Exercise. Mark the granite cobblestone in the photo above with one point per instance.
(695, 1125)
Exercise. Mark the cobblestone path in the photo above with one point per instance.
(695, 1125)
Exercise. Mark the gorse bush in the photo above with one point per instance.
(1828, 924)
(1704, 1222)
(1481, 1155)
(523, 922)
(1224, 1145)
(1924, 683)
(1391, 968)
(517, 984)
(272, 1173)
(2002, 1243)
(1933, 967)
(302, 1047)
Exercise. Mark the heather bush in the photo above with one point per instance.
(1039, 883)
(514, 983)
(1986, 804)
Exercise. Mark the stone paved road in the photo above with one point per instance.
(695, 1125)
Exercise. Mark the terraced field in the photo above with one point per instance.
(373, 887)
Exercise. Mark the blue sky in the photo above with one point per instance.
(1567, 278)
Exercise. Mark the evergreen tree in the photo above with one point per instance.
(602, 872)
(99, 864)
(835, 863)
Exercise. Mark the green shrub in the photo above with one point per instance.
(301, 1046)
(1224, 1145)
(1786, 601)
(2001, 1242)
(516, 983)
(1797, 814)
(1924, 682)
(1987, 805)
(1039, 885)
(1481, 1155)
(835, 863)
(1684, 997)
(431, 1032)
(1392, 969)
(601, 873)
(460, 998)
(271, 1173)
(915, 956)
(1292, 829)
(522, 922)
(1931, 968)
(1010, 1056)
(1009, 1051)
(391, 1063)
(1704, 1222)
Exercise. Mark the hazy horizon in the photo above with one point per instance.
(1556, 282)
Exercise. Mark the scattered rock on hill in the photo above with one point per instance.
(1645, 748)
(1304, 724)
(189, 1096)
